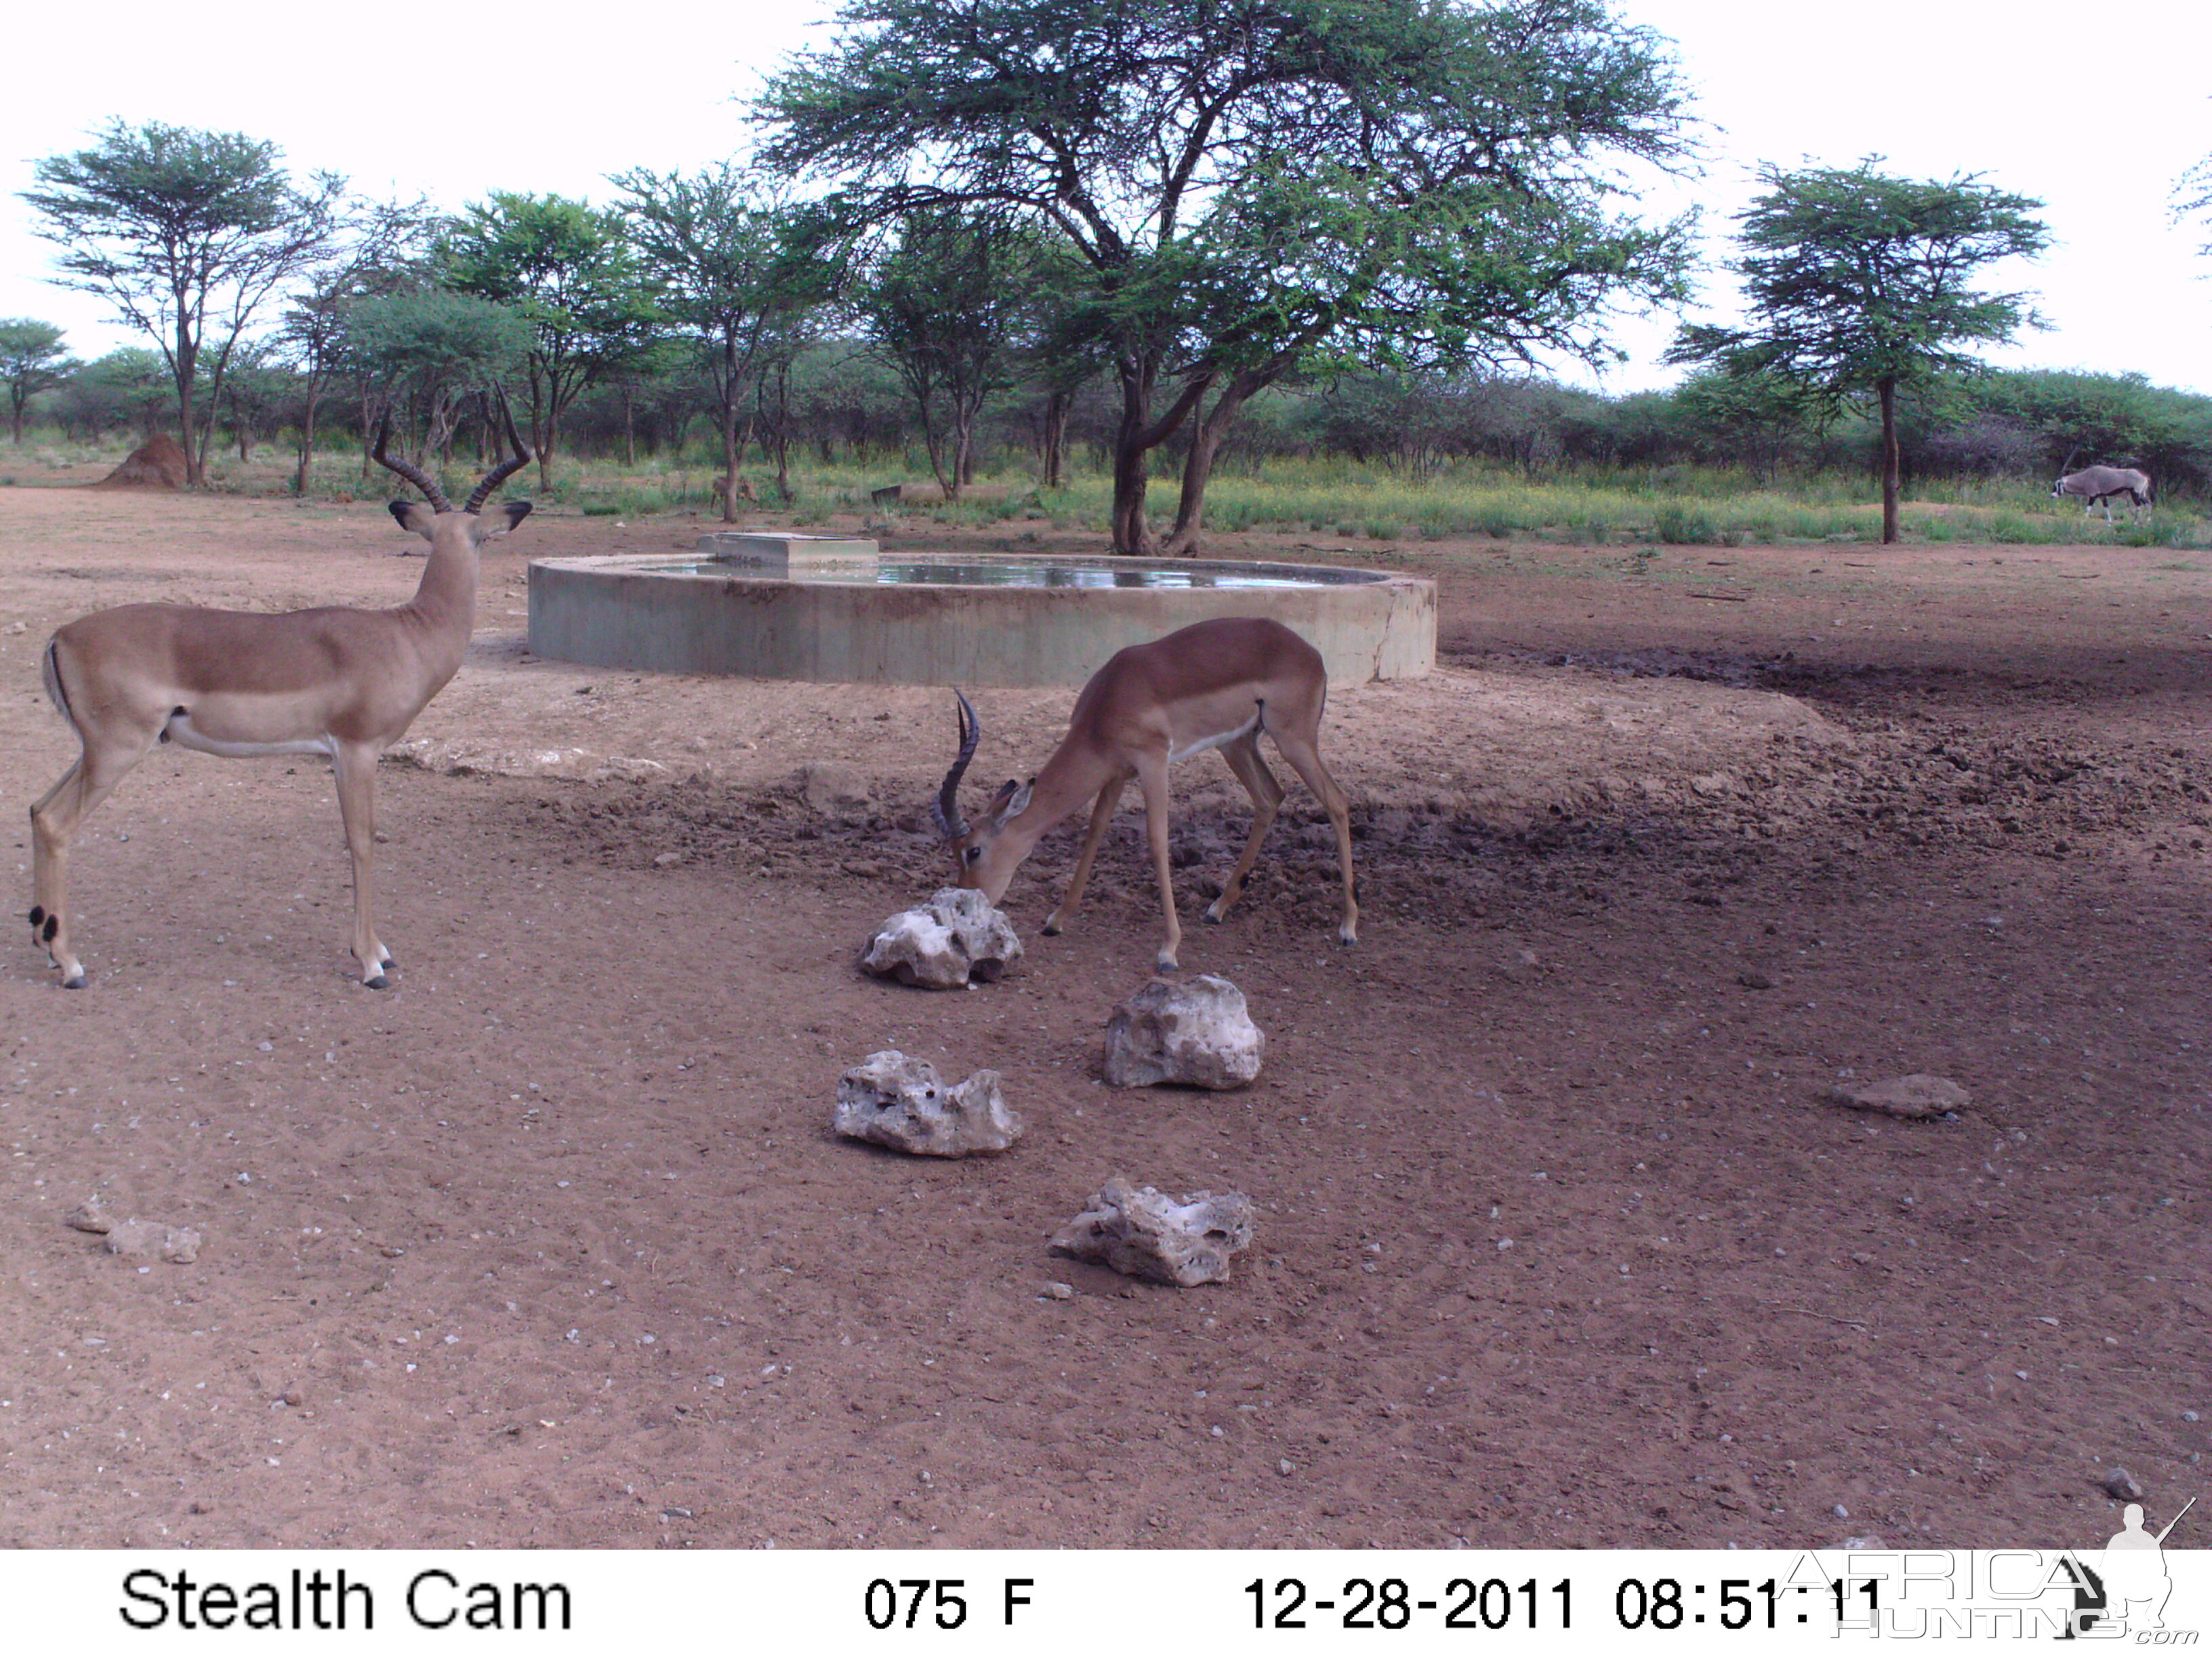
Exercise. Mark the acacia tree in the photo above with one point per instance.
(188, 233)
(1247, 183)
(30, 360)
(430, 355)
(949, 305)
(569, 271)
(255, 393)
(1857, 285)
(722, 252)
(806, 288)
(128, 389)
(382, 253)
(1755, 417)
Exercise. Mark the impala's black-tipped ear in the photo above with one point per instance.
(495, 521)
(416, 516)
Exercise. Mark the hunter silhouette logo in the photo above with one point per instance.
(2127, 1590)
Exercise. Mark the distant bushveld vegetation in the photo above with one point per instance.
(879, 295)
(1378, 459)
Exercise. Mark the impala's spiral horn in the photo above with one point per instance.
(946, 809)
(414, 475)
(500, 474)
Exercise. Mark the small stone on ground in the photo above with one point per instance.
(1918, 1095)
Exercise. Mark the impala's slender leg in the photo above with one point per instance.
(1108, 798)
(53, 826)
(1153, 779)
(1306, 759)
(355, 766)
(1243, 756)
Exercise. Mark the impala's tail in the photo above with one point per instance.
(51, 670)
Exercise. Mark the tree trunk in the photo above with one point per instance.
(306, 440)
(187, 365)
(629, 430)
(545, 452)
(732, 448)
(1135, 441)
(1887, 388)
(18, 412)
(1131, 537)
(1198, 465)
(933, 438)
(541, 427)
(1056, 438)
(783, 432)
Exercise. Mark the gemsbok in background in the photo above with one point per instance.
(2096, 486)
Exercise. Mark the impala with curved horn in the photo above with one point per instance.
(335, 681)
(1215, 685)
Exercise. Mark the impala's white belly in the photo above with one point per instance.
(181, 730)
(1198, 745)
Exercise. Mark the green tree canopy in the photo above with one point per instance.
(30, 360)
(382, 248)
(569, 271)
(950, 307)
(431, 353)
(130, 386)
(723, 252)
(188, 233)
(1250, 183)
(1858, 283)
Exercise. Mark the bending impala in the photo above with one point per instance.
(1213, 685)
(335, 681)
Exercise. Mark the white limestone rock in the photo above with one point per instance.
(1192, 1031)
(154, 1239)
(1140, 1231)
(897, 1102)
(954, 939)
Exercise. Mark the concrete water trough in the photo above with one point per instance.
(836, 609)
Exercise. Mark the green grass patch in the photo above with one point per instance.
(1679, 524)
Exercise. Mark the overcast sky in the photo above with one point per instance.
(2095, 116)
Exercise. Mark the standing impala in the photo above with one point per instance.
(1215, 685)
(334, 681)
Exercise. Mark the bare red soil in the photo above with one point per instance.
(1559, 1241)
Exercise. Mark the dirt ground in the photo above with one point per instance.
(1559, 1242)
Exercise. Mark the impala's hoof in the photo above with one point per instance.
(1344, 941)
(380, 983)
(1051, 929)
(1165, 965)
(76, 983)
